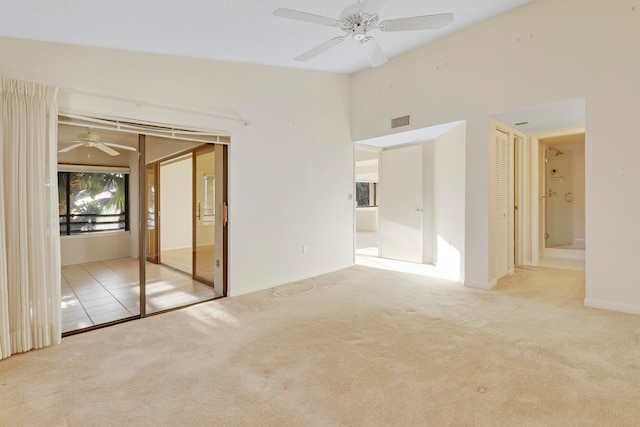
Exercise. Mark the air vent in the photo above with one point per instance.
(400, 121)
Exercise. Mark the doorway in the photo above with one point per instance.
(563, 187)
(175, 226)
(390, 226)
(110, 275)
(367, 200)
(425, 170)
(188, 224)
(185, 218)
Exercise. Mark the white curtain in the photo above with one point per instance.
(30, 314)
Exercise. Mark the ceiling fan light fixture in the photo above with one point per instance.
(358, 33)
(360, 18)
(91, 140)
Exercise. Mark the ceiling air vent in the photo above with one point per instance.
(400, 121)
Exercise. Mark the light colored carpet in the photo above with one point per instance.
(366, 347)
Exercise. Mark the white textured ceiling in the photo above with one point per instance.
(229, 30)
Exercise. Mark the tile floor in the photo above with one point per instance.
(102, 292)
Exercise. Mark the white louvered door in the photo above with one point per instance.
(502, 203)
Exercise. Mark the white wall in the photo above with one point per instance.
(290, 167)
(84, 248)
(175, 204)
(443, 202)
(449, 201)
(428, 209)
(544, 51)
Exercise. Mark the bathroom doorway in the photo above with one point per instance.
(564, 195)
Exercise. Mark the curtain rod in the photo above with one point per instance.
(143, 127)
(140, 103)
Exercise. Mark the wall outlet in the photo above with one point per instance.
(305, 249)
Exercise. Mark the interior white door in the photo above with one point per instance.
(401, 204)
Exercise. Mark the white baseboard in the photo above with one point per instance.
(480, 285)
(564, 253)
(612, 305)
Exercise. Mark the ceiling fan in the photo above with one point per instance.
(357, 20)
(92, 140)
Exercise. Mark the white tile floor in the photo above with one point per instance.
(102, 292)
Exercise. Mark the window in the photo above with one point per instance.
(366, 194)
(90, 202)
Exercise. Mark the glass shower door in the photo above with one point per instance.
(559, 196)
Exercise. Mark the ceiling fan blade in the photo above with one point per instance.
(319, 49)
(109, 151)
(372, 7)
(124, 147)
(71, 147)
(377, 57)
(306, 17)
(426, 22)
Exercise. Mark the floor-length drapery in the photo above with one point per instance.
(29, 230)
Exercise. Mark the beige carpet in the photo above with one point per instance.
(365, 348)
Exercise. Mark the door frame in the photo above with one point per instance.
(220, 284)
(538, 189)
(152, 254)
(196, 210)
(518, 170)
(157, 164)
(417, 209)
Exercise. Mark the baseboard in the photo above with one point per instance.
(564, 253)
(179, 248)
(480, 285)
(273, 284)
(611, 305)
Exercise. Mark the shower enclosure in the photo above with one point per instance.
(564, 177)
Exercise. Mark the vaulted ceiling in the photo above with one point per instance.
(232, 30)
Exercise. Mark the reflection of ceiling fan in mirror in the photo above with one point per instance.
(92, 140)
